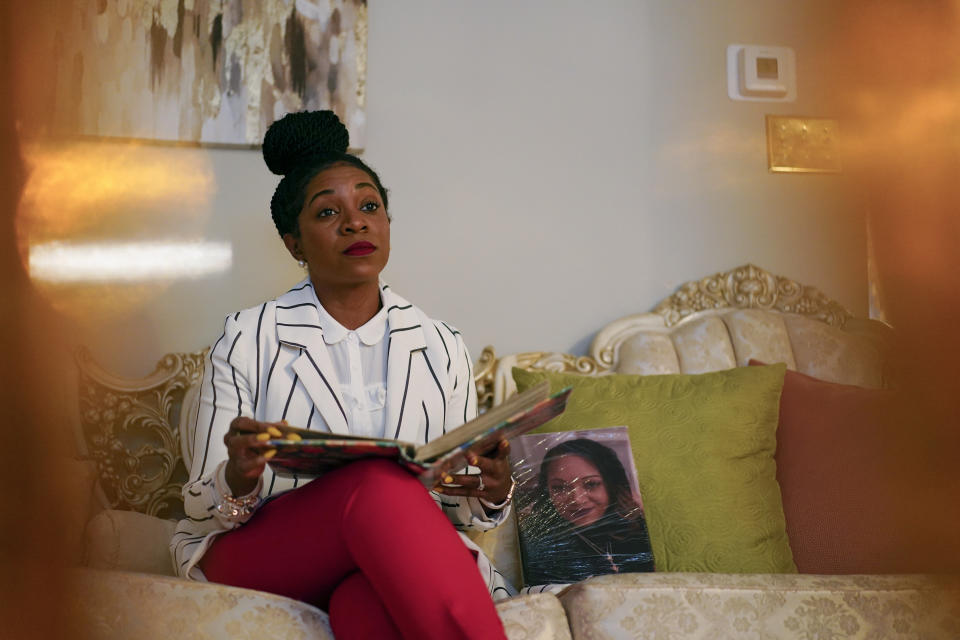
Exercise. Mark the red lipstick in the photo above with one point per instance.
(360, 249)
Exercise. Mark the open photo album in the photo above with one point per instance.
(316, 452)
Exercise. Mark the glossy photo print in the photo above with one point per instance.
(212, 72)
(579, 509)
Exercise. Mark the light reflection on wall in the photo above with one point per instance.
(110, 188)
(135, 261)
(104, 227)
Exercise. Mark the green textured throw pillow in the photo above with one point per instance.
(703, 446)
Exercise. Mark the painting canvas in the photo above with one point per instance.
(200, 71)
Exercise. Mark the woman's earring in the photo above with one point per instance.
(302, 263)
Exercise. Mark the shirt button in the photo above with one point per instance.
(352, 337)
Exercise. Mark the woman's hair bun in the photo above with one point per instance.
(298, 137)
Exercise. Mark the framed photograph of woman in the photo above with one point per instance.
(579, 508)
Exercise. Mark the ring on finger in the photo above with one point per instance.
(481, 486)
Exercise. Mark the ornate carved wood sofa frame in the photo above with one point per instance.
(132, 430)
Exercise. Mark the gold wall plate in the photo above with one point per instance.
(807, 145)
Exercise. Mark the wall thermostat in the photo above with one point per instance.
(758, 72)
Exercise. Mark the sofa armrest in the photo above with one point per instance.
(128, 541)
(117, 605)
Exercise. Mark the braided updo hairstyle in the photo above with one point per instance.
(298, 146)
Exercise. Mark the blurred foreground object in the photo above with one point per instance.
(899, 63)
(33, 542)
(898, 71)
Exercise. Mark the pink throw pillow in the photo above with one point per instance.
(859, 494)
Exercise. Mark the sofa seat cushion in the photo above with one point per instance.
(703, 449)
(692, 606)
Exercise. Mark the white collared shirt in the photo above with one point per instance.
(360, 359)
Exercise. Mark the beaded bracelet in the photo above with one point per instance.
(231, 506)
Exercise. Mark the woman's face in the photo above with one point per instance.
(344, 231)
(577, 489)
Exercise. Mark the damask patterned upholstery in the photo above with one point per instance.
(746, 313)
(115, 605)
(710, 606)
(534, 617)
(720, 340)
(835, 355)
(720, 322)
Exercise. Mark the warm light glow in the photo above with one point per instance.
(106, 228)
(127, 262)
(918, 124)
(112, 190)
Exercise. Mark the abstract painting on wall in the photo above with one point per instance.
(214, 72)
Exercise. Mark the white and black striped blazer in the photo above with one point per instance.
(272, 364)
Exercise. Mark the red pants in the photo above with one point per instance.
(368, 544)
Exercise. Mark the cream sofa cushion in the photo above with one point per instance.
(649, 354)
(129, 541)
(729, 318)
(117, 605)
(722, 339)
(760, 334)
(712, 606)
(114, 605)
(834, 355)
(501, 546)
(703, 345)
(538, 616)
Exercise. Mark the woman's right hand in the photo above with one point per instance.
(247, 453)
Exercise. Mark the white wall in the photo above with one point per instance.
(552, 166)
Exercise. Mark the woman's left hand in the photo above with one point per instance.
(493, 483)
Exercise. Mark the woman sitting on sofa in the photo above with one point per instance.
(584, 520)
(341, 352)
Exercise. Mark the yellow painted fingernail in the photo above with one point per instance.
(448, 479)
(276, 433)
(263, 437)
(269, 453)
(294, 437)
